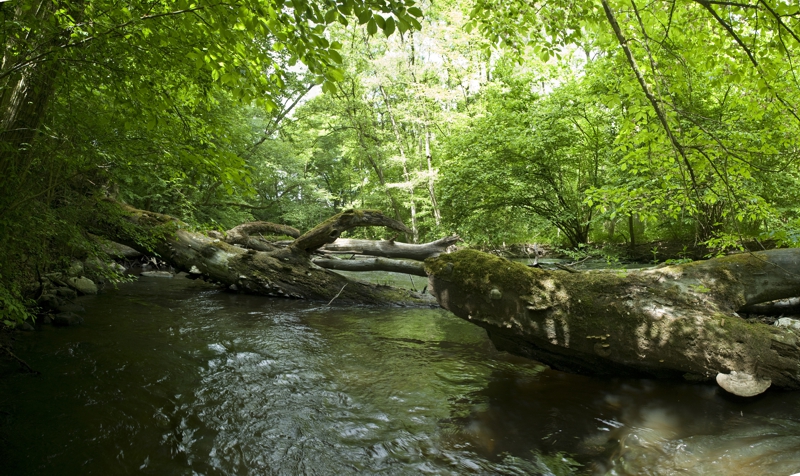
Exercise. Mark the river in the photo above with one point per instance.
(175, 377)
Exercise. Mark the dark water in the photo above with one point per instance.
(169, 376)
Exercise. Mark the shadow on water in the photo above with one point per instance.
(169, 376)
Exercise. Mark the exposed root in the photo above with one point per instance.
(21, 362)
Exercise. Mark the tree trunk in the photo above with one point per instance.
(409, 184)
(372, 264)
(284, 272)
(392, 249)
(631, 231)
(676, 321)
(241, 235)
(431, 174)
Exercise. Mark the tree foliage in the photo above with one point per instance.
(504, 121)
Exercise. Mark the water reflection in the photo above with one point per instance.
(171, 377)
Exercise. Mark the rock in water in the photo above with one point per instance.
(743, 384)
(50, 301)
(66, 293)
(83, 285)
(70, 307)
(67, 319)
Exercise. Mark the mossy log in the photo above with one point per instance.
(674, 321)
(282, 272)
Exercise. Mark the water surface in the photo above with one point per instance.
(171, 376)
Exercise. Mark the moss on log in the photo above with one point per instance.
(677, 321)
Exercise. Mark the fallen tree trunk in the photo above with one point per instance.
(676, 321)
(392, 249)
(283, 272)
(372, 264)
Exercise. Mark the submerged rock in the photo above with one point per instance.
(70, 307)
(49, 301)
(67, 319)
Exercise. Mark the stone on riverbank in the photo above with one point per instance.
(83, 285)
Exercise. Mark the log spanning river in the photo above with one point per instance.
(175, 377)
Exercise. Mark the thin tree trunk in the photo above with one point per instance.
(406, 176)
(631, 231)
(436, 213)
(662, 116)
(373, 163)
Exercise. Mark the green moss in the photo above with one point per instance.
(756, 336)
(483, 271)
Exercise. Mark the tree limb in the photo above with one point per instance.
(329, 230)
(392, 249)
(372, 264)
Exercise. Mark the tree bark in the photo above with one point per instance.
(676, 321)
(372, 264)
(392, 249)
(240, 235)
(329, 230)
(431, 174)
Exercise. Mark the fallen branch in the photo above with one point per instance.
(22, 362)
(372, 264)
(337, 294)
(329, 230)
(393, 249)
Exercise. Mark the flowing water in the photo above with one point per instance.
(171, 376)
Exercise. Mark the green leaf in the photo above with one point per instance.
(336, 74)
(372, 28)
(364, 16)
(388, 29)
(331, 15)
(403, 25)
(347, 7)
